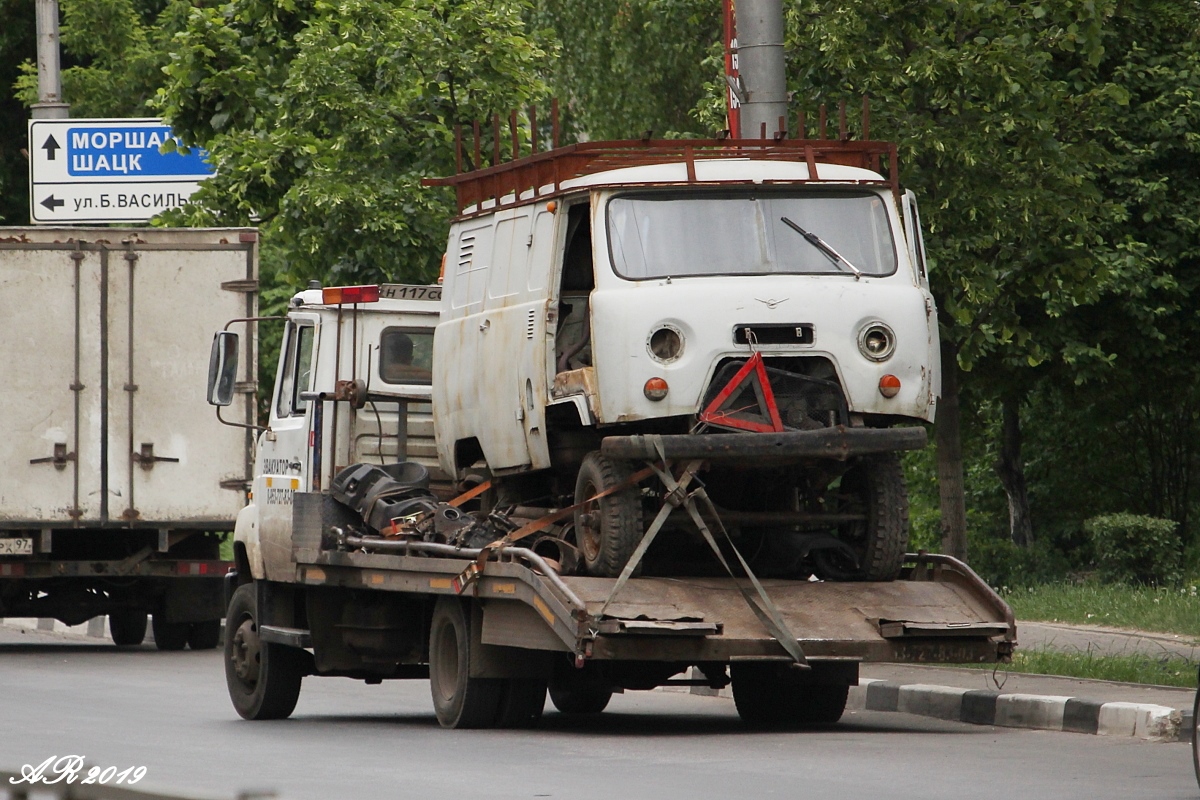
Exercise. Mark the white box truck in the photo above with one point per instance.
(116, 483)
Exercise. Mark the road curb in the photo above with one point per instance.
(1039, 712)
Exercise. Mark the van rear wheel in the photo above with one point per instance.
(609, 529)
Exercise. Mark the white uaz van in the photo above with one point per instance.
(761, 306)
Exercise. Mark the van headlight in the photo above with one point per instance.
(876, 341)
(665, 344)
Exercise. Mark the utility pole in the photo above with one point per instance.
(761, 67)
(50, 104)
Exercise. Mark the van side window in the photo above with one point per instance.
(297, 371)
(406, 356)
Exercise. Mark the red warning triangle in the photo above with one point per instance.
(747, 402)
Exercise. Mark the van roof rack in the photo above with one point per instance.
(544, 172)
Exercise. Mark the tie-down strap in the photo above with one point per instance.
(679, 496)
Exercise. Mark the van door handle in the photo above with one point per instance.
(483, 326)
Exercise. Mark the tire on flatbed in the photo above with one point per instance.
(607, 530)
(263, 677)
(874, 486)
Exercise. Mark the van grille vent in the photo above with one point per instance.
(531, 323)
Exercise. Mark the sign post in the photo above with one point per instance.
(107, 170)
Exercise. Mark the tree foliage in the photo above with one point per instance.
(18, 43)
(994, 105)
(628, 66)
(323, 117)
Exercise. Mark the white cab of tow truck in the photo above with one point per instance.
(374, 343)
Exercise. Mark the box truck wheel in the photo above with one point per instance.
(607, 530)
(204, 635)
(459, 701)
(263, 677)
(775, 694)
(169, 635)
(873, 487)
(127, 628)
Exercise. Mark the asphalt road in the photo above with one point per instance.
(169, 712)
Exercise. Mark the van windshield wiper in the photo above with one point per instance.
(816, 241)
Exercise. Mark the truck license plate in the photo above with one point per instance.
(20, 546)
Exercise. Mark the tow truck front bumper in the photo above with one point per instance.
(839, 444)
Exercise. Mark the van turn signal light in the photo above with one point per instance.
(889, 386)
(655, 389)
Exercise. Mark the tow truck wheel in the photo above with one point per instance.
(580, 691)
(170, 635)
(127, 628)
(459, 701)
(263, 677)
(204, 635)
(773, 694)
(580, 699)
(874, 487)
(521, 703)
(607, 530)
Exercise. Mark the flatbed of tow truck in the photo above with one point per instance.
(938, 611)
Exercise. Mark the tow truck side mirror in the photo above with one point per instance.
(222, 368)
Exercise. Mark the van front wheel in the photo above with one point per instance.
(607, 529)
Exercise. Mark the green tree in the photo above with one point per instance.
(323, 117)
(995, 106)
(628, 66)
(17, 44)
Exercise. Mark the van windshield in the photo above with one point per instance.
(662, 234)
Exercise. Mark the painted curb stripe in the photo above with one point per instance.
(1082, 715)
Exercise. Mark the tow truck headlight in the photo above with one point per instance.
(665, 344)
(876, 341)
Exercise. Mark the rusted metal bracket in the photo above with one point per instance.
(146, 458)
(59, 459)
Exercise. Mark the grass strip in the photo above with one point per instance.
(1124, 668)
(1167, 610)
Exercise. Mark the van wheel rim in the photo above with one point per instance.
(588, 531)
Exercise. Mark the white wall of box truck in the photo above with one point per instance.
(116, 482)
